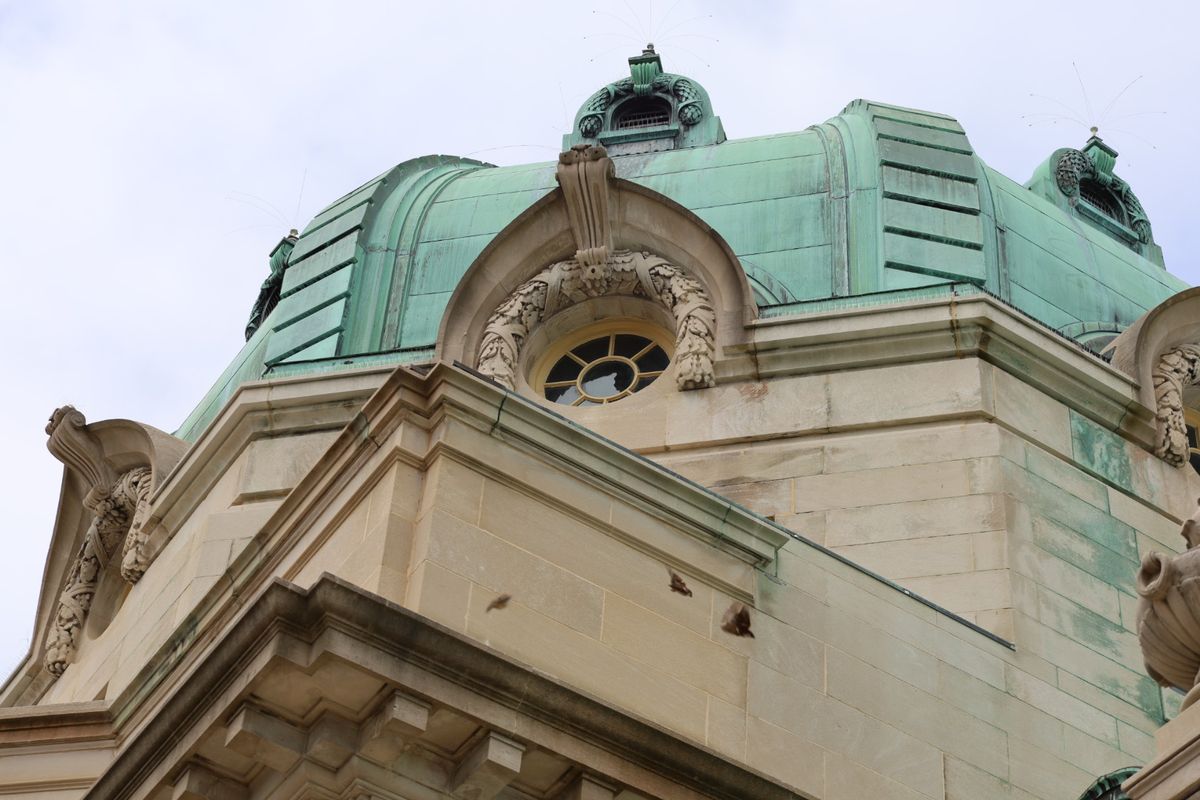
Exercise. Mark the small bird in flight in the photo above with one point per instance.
(678, 584)
(737, 621)
(498, 603)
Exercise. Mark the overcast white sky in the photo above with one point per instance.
(140, 142)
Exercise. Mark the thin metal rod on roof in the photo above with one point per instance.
(511, 147)
(1119, 95)
(628, 36)
(670, 10)
(260, 204)
(694, 55)
(621, 20)
(1094, 122)
(1086, 100)
(299, 198)
(681, 23)
(693, 35)
(606, 52)
(637, 18)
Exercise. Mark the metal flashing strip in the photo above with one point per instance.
(400, 356)
(949, 290)
(871, 299)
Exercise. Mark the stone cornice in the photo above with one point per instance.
(401, 420)
(932, 329)
(275, 408)
(55, 724)
(286, 620)
(606, 464)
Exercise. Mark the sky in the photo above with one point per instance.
(153, 153)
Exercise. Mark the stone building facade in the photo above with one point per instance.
(817, 465)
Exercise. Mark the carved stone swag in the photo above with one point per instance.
(597, 270)
(1176, 369)
(118, 503)
(629, 274)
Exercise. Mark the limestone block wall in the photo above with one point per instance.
(911, 503)
(851, 688)
(969, 487)
(957, 479)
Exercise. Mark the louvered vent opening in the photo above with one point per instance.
(643, 113)
(1102, 199)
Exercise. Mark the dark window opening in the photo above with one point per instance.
(1193, 447)
(647, 112)
(1102, 199)
(1096, 341)
(605, 369)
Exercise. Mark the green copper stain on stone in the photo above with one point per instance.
(1101, 451)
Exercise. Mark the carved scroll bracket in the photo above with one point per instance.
(72, 444)
(632, 274)
(583, 174)
(118, 497)
(1176, 369)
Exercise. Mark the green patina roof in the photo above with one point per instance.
(877, 199)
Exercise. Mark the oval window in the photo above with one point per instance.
(604, 368)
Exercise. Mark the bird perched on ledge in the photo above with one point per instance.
(678, 585)
(737, 621)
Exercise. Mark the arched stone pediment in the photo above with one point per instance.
(1162, 352)
(592, 218)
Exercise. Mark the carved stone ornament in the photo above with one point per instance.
(118, 502)
(1168, 615)
(268, 295)
(624, 273)
(1073, 166)
(583, 173)
(680, 91)
(1176, 369)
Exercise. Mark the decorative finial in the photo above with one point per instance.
(1095, 130)
(644, 68)
(293, 233)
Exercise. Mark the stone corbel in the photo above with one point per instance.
(583, 174)
(488, 768)
(119, 462)
(197, 782)
(1176, 369)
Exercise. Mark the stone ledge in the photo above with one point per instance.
(334, 615)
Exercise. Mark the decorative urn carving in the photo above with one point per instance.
(1169, 614)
